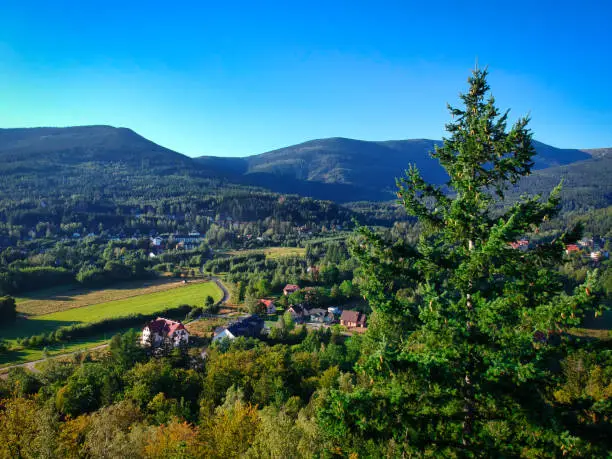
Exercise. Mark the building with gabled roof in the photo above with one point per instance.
(353, 319)
(269, 305)
(250, 326)
(321, 316)
(298, 312)
(164, 331)
(571, 248)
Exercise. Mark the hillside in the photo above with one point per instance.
(351, 170)
(599, 152)
(94, 178)
(117, 163)
(30, 149)
(586, 184)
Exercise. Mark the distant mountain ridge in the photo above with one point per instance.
(33, 148)
(355, 169)
(337, 169)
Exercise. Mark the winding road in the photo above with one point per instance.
(226, 295)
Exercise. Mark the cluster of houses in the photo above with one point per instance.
(594, 247)
(163, 333)
(189, 241)
(301, 314)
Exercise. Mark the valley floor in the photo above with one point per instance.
(127, 301)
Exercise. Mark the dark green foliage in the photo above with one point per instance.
(8, 311)
(23, 279)
(23, 382)
(84, 390)
(125, 349)
(209, 302)
(465, 327)
(347, 170)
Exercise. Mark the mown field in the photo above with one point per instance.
(67, 297)
(149, 303)
(193, 294)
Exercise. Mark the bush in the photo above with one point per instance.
(8, 311)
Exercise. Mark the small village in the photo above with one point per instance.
(163, 335)
(593, 248)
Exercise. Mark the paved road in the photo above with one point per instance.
(32, 365)
(226, 295)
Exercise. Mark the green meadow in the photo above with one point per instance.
(192, 294)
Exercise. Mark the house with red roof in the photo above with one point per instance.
(269, 305)
(164, 331)
(290, 288)
(521, 244)
(571, 248)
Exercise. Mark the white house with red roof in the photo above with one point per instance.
(269, 305)
(160, 331)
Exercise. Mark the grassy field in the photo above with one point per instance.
(148, 303)
(273, 252)
(18, 356)
(67, 297)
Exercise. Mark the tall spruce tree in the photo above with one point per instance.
(466, 329)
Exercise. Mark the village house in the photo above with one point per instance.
(322, 316)
(521, 244)
(290, 288)
(247, 326)
(298, 312)
(157, 241)
(269, 305)
(353, 319)
(190, 241)
(571, 248)
(160, 332)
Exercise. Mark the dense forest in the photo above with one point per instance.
(477, 300)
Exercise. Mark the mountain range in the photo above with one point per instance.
(349, 170)
(337, 169)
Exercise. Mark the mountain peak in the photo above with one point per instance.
(79, 144)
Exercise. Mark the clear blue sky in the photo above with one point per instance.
(236, 78)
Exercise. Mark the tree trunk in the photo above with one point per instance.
(468, 388)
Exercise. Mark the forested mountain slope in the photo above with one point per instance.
(349, 170)
(57, 181)
(30, 149)
(585, 184)
(95, 162)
